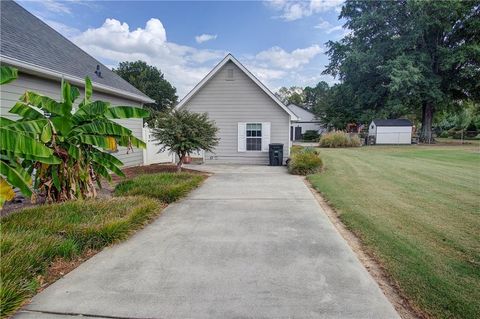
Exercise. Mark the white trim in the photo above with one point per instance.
(217, 68)
(52, 74)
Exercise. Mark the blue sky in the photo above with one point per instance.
(281, 42)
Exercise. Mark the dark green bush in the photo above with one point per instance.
(339, 139)
(311, 135)
(444, 134)
(305, 162)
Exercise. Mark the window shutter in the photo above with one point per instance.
(242, 138)
(265, 136)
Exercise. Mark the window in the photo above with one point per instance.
(254, 136)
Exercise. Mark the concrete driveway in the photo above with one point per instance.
(252, 242)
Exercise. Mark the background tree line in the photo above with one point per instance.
(404, 58)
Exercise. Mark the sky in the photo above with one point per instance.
(281, 42)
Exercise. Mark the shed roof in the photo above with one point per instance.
(31, 45)
(392, 122)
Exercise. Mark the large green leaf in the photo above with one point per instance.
(62, 125)
(4, 121)
(107, 157)
(7, 74)
(103, 127)
(88, 90)
(126, 112)
(16, 176)
(15, 142)
(46, 103)
(131, 141)
(96, 140)
(69, 95)
(91, 111)
(100, 159)
(26, 111)
(32, 126)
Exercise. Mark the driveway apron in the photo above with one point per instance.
(251, 242)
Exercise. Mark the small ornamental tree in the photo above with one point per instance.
(183, 132)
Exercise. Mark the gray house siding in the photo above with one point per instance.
(229, 102)
(10, 93)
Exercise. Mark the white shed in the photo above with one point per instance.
(398, 131)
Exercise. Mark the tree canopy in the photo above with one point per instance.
(184, 132)
(150, 81)
(407, 57)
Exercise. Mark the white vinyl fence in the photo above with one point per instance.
(151, 154)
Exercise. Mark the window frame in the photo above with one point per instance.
(253, 137)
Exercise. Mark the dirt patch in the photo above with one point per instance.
(390, 288)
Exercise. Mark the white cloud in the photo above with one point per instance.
(205, 37)
(328, 27)
(115, 42)
(185, 66)
(282, 59)
(294, 10)
(61, 28)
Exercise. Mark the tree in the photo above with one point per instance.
(292, 95)
(184, 132)
(77, 143)
(150, 81)
(409, 57)
(314, 96)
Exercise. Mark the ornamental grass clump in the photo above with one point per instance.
(305, 162)
(337, 139)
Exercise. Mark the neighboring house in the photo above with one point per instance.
(248, 115)
(43, 57)
(306, 122)
(397, 131)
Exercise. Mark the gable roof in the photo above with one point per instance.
(218, 67)
(34, 47)
(302, 113)
(393, 122)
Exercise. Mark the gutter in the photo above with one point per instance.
(55, 75)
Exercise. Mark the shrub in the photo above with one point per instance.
(339, 139)
(305, 162)
(167, 187)
(295, 149)
(311, 135)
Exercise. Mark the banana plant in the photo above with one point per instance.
(15, 146)
(81, 138)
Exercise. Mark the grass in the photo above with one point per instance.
(167, 187)
(417, 208)
(34, 239)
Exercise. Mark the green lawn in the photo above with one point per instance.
(34, 238)
(418, 209)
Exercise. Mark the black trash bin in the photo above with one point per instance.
(275, 151)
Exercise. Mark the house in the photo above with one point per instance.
(44, 57)
(306, 122)
(249, 116)
(398, 131)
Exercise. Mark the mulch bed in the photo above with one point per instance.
(21, 202)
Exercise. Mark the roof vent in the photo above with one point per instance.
(229, 75)
(98, 72)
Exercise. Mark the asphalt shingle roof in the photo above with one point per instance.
(26, 38)
(395, 122)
